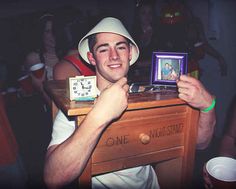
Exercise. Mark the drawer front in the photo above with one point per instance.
(152, 130)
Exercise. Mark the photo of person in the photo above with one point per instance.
(170, 69)
(165, 71)
(174, 74)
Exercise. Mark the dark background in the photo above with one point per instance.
(217, 16)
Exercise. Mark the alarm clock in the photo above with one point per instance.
(82, 88)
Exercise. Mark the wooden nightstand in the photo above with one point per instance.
(157, 128)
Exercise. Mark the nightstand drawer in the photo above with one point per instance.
(154, 130)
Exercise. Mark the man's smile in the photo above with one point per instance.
(114, 65)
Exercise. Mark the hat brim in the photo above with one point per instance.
(111, 25)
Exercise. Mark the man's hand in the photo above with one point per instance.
(112, 101)
(193, 92)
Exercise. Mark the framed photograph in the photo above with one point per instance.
(167, 67)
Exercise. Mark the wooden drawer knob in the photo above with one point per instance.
(144, 138)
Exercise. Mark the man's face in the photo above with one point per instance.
(111, 56)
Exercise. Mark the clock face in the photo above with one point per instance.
(81, 87)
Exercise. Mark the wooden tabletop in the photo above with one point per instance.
(57, 91)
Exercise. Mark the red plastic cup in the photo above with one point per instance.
(38, 70)
(25, 83)
(222, 172)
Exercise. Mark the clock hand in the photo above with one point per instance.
(85, 87)
(82, 84)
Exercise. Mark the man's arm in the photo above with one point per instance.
(206, 127)
(66, 161)
(194, 93)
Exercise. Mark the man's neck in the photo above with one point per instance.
(102, 83)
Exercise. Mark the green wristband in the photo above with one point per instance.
(210, 107)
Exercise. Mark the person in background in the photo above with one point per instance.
(144, 28)
(181, 31)
(12, 171)
(199, 44)
(44, 50)
(144, 33)
(111, 49)
(35, 110)
(71, 64)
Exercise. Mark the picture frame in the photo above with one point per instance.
(167, 67)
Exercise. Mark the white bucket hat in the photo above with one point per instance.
(112, 25)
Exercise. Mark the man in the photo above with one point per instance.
(110, 48)
(165, 72)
